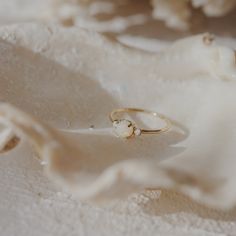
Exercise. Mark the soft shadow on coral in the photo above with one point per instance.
(50, 91)
(66, 99)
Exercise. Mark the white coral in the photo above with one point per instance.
(215, 7)
(176, 14)
(71, 78)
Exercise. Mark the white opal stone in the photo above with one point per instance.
(123, 128)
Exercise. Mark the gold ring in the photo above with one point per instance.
(125, 128)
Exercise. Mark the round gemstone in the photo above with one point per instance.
(123, 128)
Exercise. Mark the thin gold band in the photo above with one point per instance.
(167, 126)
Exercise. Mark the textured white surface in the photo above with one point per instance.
(97, 82)
(30, 205)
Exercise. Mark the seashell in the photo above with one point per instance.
(68, 80)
